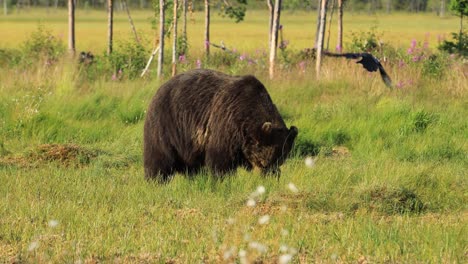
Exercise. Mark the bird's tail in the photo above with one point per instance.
(385, 77)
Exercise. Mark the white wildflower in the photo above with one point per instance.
(284, 259)
(251, 202)
(258, 246)
(292, 187)
(33, 246)
(309, 162)
(53, 223)
(264, 219)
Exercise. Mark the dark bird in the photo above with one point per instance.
(369, 62)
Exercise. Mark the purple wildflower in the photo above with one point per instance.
(280, 27)
(401, 64)
(242, 57)
(207, 43)
(182, 58)
(400, 85)
(198, 63)
(416, 58)
(339, 48)
(302, 66)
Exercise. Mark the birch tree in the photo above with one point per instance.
(207, 28)
(339, 45)
(442, 8)
(5, 7)
(270, 20)
(110, 25)
(174, 40)
(274, 37)
(321, 32)
(130, 20)
(71, 27)
(162, 6)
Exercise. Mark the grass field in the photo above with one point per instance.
(388, 184)
(299, 27)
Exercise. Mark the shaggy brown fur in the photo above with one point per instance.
(207, 118)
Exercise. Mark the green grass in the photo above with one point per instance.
(389, 182)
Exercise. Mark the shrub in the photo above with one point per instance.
(42, 45)
(128, 59)
(458, 46)
(365, 41)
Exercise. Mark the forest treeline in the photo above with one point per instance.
(437, 6)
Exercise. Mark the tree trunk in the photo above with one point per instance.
(162, 6)
(5, 7)
(184, 11)
(317, 36)
(207, 28)
(319, 4)
(339, 46)
(442, 8)
(389, 6)
(323, 11)
(71, 27)
(174, 41)
(330, 21)
(270, 20)
(125, 6)
(274, 37)
(110, 25)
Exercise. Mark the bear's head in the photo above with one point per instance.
(270, 146)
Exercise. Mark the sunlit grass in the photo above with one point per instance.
(299, 28)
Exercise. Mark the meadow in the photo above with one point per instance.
(388, 181)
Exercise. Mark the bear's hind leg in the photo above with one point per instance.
(158, 166)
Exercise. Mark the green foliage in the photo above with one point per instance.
(234, 11)
(460, 7)
(458, 46)
(127, 59)
(421, 120)
(435, 66)
(42, 45)
(394, 201)
(365, 41)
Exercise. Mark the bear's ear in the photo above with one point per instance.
(267, 127)
(293, 132)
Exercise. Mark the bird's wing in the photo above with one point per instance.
(369, 62)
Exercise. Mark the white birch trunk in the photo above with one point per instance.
(184, 11)
(270, 20)
(323, 10)
(71, 27)
(207, 28)
(110, 25)
(174, 41)
(442, 8)
(340, 26)
(162, 6)
(125, 6)
(274, 37)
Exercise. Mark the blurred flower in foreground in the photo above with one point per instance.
(264, 219)
(53, 223)
(309, 162)
(284, 259)
(292, 187)
(33, 246)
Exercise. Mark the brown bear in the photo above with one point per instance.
(208, 118)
